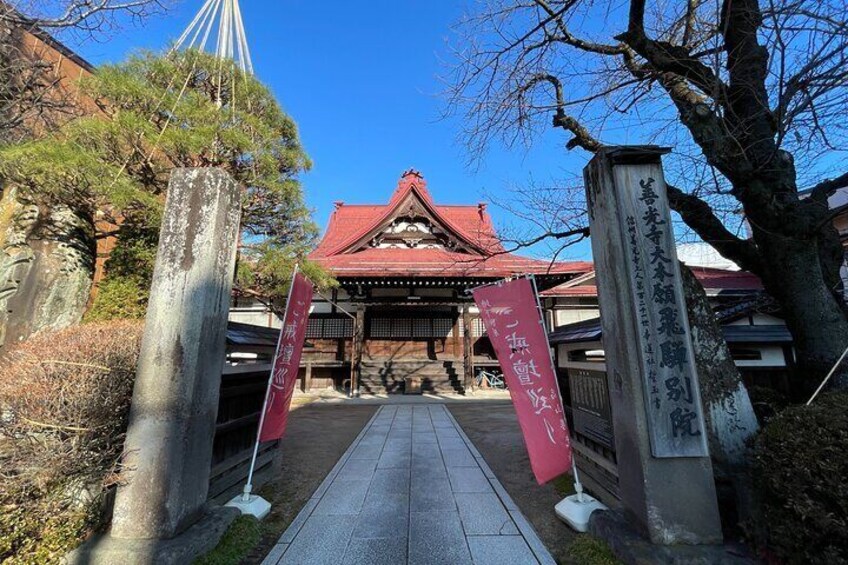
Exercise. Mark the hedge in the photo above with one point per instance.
(64, 404)
(800, 471)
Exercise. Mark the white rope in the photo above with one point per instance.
(231, 41)
(200, 15)
(827, 378)
(230, 32)
(209, 23)
(244, 53)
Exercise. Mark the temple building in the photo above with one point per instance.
(403, 308)
(756, 335)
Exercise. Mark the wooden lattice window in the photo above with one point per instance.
(421, 327)
(381, 327)
(329, 328)
(338, 328)
(442, 327)
(314, 328)
(407, 328)
(402, 327)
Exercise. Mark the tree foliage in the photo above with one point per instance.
(159, 113)
(801, 459)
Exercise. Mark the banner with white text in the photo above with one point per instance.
(287, 359)
(514, 326)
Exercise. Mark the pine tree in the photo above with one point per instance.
(158, 113)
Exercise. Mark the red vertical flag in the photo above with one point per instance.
(513, 322)
(287, 359)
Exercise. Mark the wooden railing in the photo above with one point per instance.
(591, 426)
(243, 386)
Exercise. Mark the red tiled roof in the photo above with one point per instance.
(346, 219)
(713, 280)
(341, 250)
(440, 263)
(720, 279)
(562, 290)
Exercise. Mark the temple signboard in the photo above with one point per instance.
(665, 475)
(591, 406)
(675, 419)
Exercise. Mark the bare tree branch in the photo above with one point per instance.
(34, 96)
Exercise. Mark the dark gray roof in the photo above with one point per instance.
(757, 334)
(587, 330)
(247, 334)
(590, 330)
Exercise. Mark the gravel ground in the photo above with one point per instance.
(316, 438)
(494, 430)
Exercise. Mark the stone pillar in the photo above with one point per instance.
(467, 349)
(665, 475)
(168, 450)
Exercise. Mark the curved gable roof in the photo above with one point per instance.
(344, 248)
(352, 226)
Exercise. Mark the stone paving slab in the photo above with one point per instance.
(437, 537)
(411, 489)
(483, 514)
(500, 550)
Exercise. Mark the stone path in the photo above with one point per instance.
(410, 489)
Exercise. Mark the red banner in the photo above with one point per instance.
(515, 328)
(287, 359)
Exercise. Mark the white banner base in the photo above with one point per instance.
(253, 505)
(576, 509)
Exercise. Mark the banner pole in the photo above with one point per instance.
(336, 304)
(578, 486)
(545, 329)
(248, 487)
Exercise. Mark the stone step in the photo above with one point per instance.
(389, 376)
(398, 388)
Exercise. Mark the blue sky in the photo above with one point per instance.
(361, 80)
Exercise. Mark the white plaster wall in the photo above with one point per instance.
(772, 356)
(320, 308)
(759, 320)
(254, 316)
(569, 316)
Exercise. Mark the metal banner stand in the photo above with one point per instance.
(246, 502)
(574, 509)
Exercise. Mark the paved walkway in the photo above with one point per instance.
(410, 489)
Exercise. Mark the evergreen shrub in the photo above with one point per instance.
(800, 470)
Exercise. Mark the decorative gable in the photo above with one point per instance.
(412, 221)
(413, 227)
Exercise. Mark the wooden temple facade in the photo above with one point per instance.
(402, 314)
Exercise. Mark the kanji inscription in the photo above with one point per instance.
(670, 382)
(511, 315)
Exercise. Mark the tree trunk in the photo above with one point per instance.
(794, 276)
